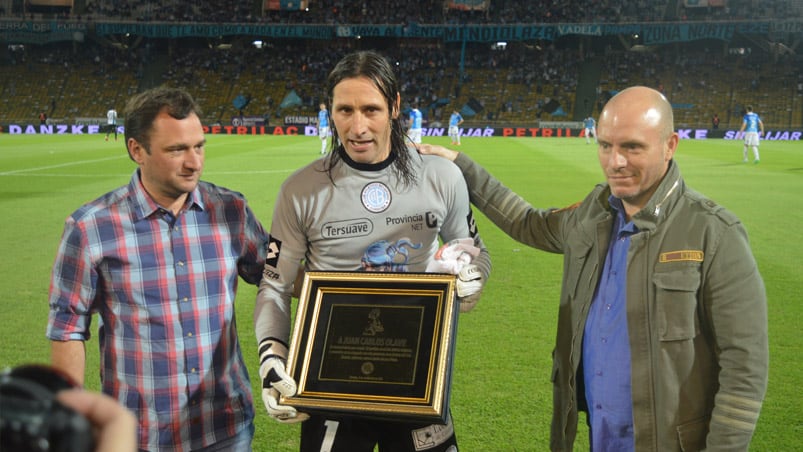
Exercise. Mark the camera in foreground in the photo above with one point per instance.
(32, 420)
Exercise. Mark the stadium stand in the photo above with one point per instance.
(517, 82)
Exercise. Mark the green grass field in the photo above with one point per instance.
(501, 390)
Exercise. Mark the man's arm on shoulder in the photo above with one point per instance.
(440, 151)
(506, 209)
(69, 357)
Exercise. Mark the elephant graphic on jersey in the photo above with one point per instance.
(385, 256)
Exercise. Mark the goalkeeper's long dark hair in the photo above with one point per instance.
(377, 68)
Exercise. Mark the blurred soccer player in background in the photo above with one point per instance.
(752, 128)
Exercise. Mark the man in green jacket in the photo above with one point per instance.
(662, 326)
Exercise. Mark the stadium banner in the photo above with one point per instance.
(248, 121)
(16, 31)
(209, 30)
(41, 32)
(703, 3)
(374, 344)
(662, 34)
(561, 125)
(68, 3)
(285, 5)
(92, 121)
(301, 121)
(541, 131)
(386, 31)
(468, 5)
(577, 29)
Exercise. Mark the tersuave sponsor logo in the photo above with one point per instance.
(347, 228)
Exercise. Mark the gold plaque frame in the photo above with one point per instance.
(379, 345)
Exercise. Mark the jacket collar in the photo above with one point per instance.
(661, 203)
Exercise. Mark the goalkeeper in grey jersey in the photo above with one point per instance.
(371, 204)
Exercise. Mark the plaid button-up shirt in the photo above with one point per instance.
(164, 288)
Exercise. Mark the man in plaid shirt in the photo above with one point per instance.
(158, 261)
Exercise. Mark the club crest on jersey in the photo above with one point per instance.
(375, 197)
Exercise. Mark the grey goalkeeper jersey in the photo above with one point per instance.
(365, 221)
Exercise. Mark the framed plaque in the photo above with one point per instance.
(379, 345)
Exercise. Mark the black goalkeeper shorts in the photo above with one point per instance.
(351, 434)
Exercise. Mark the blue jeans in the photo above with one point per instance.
(240, 442)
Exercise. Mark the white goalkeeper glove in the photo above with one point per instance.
(469, 287)
(455, 257)
(452, 256)
(275, 381)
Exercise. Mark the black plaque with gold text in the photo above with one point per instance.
(374, 344)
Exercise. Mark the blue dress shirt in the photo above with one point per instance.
(606, 350)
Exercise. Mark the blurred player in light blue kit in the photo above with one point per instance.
(590, 127)
(454, 127)
(751, 126)
(323, 126)
(416, 119)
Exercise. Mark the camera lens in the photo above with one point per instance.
(31, 419)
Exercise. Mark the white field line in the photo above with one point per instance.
(61, 165)
(27, 171)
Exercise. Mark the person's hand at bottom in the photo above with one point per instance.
(115, 427)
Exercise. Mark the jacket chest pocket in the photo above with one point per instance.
(676, 303)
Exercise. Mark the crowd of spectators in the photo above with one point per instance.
(516, 82)
(422, 12)
(214, 11)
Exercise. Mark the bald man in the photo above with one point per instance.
(662, 325)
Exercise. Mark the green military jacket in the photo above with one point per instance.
(696, 310)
